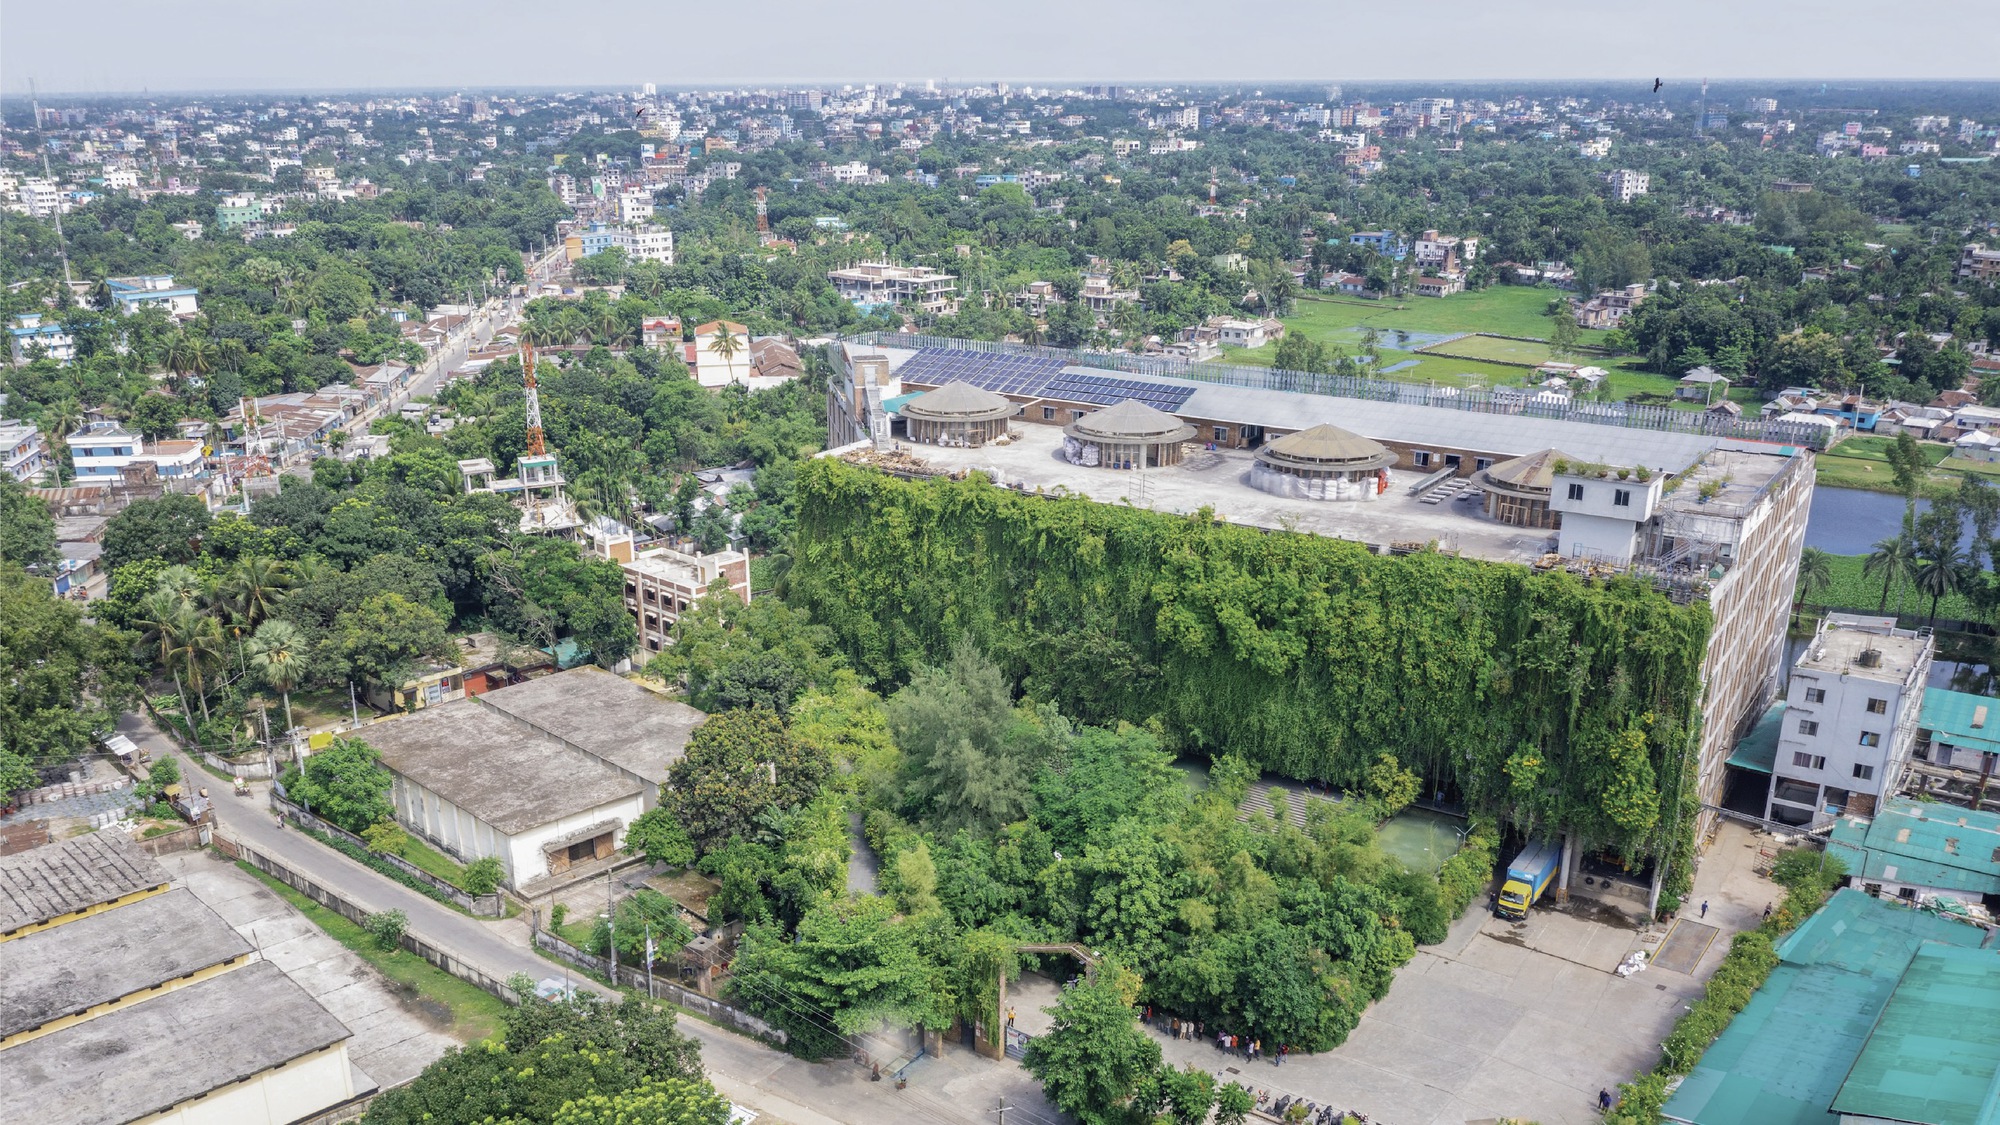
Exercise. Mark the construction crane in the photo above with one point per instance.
(535, 448)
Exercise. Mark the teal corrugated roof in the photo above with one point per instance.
(895, 405)
(1784, 1057)
(1933, 1053)
(1758, 750)
(1923, 844)
(1950, 715)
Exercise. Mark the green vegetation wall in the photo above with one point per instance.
(1553, 701)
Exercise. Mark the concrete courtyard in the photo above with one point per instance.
(1219, 480)
(1504, 1019)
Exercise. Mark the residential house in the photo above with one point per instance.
(1977, 263)
(1627, 185)
(1703, 384)
(1443, 286)
(34, 334)
(1387, 243)
(661, 584)
(1240, 333)
(1976, 417)
(24, 456)
(158, 291)
(1610, 307)
(660, 333)
(773, 360)
(1850, 719)
(713, 368)
(100, 452)
(1444, 255)
(1977, 445)
(870, 284)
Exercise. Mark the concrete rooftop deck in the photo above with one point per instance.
(1219, 480)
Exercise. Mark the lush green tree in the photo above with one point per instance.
(852, 969)
(278, 653)
(728, 653)
(171, 527)
(344, 783)
(1094, 1056)
(1815, 575)
(656, 835)
(16, 776)
(672, 1101)
(27, 530)
(386, 639)
(64, 676)
(739, 765)
(968, 757)
(1894, 560)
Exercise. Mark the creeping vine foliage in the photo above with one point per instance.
(1566, 704)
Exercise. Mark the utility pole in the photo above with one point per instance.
(1002, 1111)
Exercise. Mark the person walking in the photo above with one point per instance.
(1704, 908)
(1010, 1015)
(1767, 911)
(1603, 1101)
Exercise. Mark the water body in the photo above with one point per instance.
(1400, 366)
(1850, 521)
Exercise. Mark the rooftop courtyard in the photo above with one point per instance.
(1219, 480)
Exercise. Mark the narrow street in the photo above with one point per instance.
(961, 1087)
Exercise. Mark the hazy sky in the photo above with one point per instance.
(104, 46)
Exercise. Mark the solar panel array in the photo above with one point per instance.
(1001, 374)
(1035, 376)
(1106, 389)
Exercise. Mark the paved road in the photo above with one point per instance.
(957, 1088)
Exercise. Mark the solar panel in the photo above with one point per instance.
(1027, 375)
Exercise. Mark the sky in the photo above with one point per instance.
(114, 46)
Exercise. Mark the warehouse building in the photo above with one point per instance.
(1126, 435)
(1322, 463)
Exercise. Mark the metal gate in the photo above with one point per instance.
(1017, 1042)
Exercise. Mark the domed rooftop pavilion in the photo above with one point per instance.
(957, 414)
(1517, 491)
(1126, 435)
(1323, 463)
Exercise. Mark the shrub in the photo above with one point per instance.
(383, 836)
(1470, 870)
(387, 928)
(482, 875)
(557, 914)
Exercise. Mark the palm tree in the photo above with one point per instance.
(199, 648)
(187, 589)
(253, 589)
(1892, 560)
(1942, 570)
(278, 652)
(725, 344)
(1815, 575)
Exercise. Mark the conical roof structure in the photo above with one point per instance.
(1326, 447)
(1534, 472)
(959, 402)
(1129, 422)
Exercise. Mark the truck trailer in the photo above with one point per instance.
(1528, 876)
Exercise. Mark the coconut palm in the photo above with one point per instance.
(1892, 560)
(725, 344)
(1815, 575)
(187, 589)
(278, 652)
(253, 589)
(200, 649)
(1943, 569)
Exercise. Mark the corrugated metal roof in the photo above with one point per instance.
(1758, 750)
(1925, 845)
(1971, 721)
(1934, 1050)
(1784, 1057)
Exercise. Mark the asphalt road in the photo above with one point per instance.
(959, 1088)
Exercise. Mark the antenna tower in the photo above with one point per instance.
(62, 243)
(534, 401)
(1701, 118)
(763, 215)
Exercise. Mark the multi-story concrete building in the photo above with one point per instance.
(661, 583)
(23, 454)
(641, 243)
(158, 291)
(100, 453)
(1850, 719)
(1979, 264)
(34, 334)
(884, 283)
(1627, 185)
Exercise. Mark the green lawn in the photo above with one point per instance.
(433, 861)
(1855, 590)
(1877, 449)
(1505, 310)
(1862, 462)
(475, 1012)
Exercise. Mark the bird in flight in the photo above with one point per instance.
(1656, 85)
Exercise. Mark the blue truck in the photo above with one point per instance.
(1528, 876)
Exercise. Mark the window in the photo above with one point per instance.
(1048, 413)
(1452, 460)
(1808, 726)
(1622, 497)
(1420, 458)
(1870, 738)
(1808, 761)
(1878, 707)
(1481, 464)
(1815, 695)
(1222, 433)
(1076, 415)
(1576, 492)
(1864, 773)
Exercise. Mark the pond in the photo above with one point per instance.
(1850, 521)
(1421, 839)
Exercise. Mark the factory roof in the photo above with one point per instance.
(1932, 1056)
(1922, 845)
(1326, 447)
(1971, 721)
(959, 402)
(62, 878)
(629, 725)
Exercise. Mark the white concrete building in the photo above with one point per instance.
(34, 334)
(100, 452)
(23, 454)
(635, 207)
(1626, 185)
(884, 283)
(157, 291)
(1601, 513)
(1850, 719)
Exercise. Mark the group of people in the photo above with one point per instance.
(1251, 1047)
